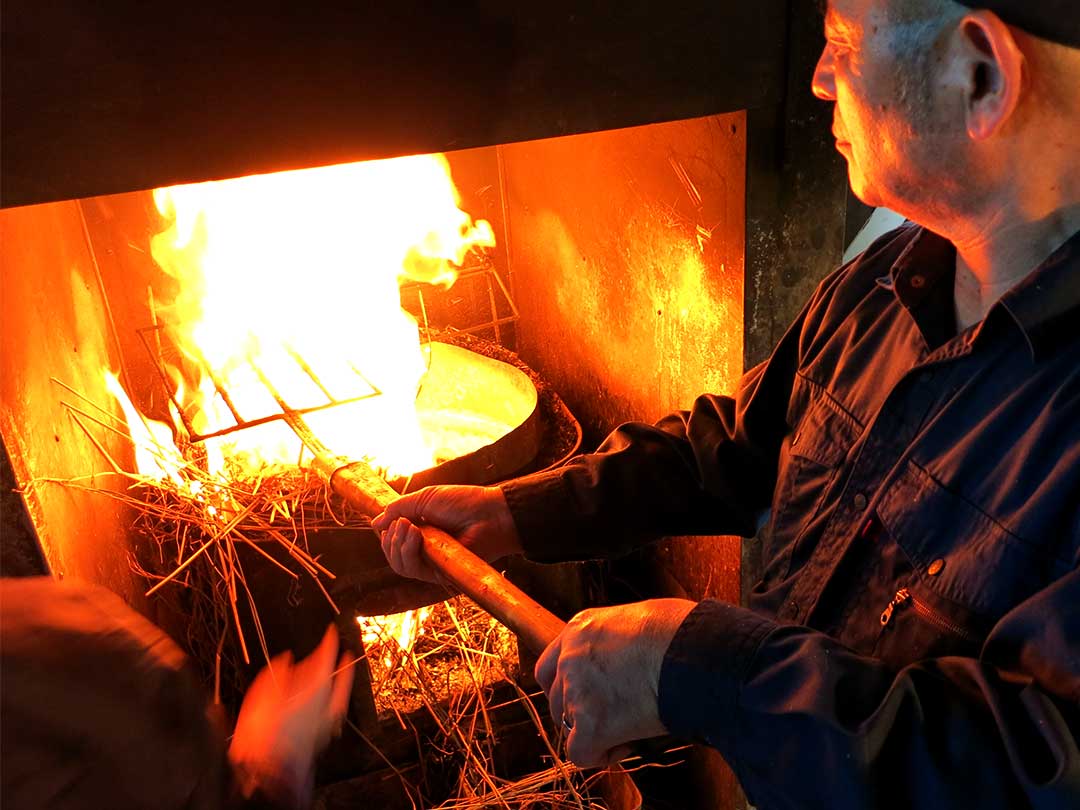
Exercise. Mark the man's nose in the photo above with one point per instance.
(823, 84)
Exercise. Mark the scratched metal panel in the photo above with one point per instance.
(627, 264)
(54, 326)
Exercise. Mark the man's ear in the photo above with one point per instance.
(994, 72)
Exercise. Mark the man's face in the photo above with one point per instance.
(881, 113)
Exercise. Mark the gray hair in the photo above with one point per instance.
(915, 35)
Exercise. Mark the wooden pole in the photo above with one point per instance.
(534, 624)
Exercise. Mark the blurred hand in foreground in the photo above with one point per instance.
(477, 517)
(288, 716)
(602, 677)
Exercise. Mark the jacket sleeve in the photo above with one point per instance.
(709, 470)
(806, 722)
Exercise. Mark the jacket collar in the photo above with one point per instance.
(1045, 305)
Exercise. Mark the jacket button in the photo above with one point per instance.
(860, 501)
(935, 567)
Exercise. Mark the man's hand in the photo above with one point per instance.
(287, 717)
(477, 517)
(602, 676)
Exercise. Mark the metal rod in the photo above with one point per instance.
(277, 417)
(202, 437)
(494, 309)
(159, 367)
(291, 417)
(219, 386)
(307, 369)
(506, 295)
(423, 307)
(484, 268)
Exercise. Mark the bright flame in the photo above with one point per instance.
(404, 628)
(155, 454)
(306, 264)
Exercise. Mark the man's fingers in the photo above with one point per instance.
(584, 746)
(407, 506)
(584, 752)
(403, 545)
(557, 707)
(453, 508)
(381, 521)
(547, 675)
(547, 665)
(393, 511)
(384, 541)
(412, 557)
(397, 528)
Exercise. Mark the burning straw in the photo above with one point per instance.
(191, 523)
(448, 668)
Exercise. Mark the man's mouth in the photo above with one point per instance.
(840, 139)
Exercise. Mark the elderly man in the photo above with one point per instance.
(915, 638)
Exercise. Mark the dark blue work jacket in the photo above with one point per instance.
(915, 638)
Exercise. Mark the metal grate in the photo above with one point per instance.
(164, 353)
(480, 278)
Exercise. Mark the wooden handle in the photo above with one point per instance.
(534, 624)
(357, 483)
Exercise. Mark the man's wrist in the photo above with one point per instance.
(704, 669)
(546, 523)
(662, 621)
(506, 528)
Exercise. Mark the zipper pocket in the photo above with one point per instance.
(904, 597)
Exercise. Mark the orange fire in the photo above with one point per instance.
(404, 628)
(292, 279)
(289, 290)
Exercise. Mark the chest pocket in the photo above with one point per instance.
(968, 567)
(811, 459)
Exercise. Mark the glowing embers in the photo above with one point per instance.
(440, 658)
(404, 628)
(455, 691)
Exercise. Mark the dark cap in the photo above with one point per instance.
(1056, 20)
